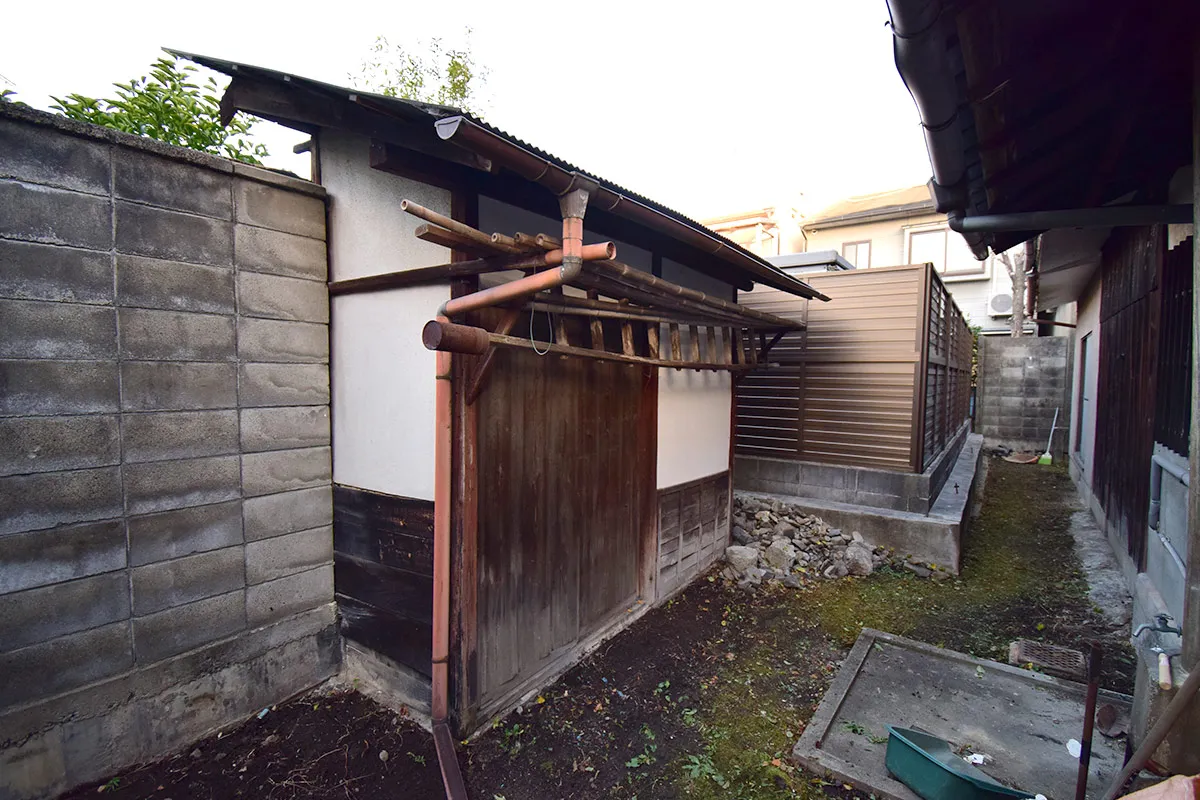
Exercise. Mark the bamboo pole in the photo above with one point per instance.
(472, 338)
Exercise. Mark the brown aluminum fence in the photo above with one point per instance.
(879, 378)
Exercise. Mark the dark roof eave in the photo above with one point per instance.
(557, 177)
(635, 207)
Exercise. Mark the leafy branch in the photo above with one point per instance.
(171, 106)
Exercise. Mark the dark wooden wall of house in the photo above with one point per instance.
(1131, 264)
(565, 472)
(1173, 411)
(693, 530)
(383, 573)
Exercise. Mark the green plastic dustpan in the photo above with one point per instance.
(929, 766)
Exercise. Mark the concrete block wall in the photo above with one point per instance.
(1021, 382)
(165, 497)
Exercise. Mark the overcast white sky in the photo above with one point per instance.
(708, 111)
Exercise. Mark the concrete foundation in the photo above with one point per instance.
(82, 735)
(934, 537)
(860, 486)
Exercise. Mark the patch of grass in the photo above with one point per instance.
(748, 717)
(1018, 572)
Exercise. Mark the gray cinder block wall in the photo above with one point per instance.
(165, 507)
(1021, 382)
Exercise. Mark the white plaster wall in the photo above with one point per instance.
(383, 387)
(382, 376)
(368, 233)
(693, 407)
(693, 424)
(1087, 322)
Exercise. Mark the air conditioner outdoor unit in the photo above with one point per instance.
(1000, 305)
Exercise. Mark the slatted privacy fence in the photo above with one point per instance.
(880, 377)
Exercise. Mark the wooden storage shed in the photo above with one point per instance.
(532, 395)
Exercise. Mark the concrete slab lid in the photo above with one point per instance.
(1022, 719)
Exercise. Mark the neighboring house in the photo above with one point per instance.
(771, 231)
(887, 229)
(1094, 146)
(903, 227)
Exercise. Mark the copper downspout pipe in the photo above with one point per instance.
(573, 203)
(439, 705)
(570, 269)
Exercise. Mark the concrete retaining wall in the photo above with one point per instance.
(165, 502)
(1021, 382)
(861, 486)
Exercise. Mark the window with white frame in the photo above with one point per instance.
(857, 253)
(946, 250)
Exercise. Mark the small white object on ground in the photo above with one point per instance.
(979, 759)
(1074, 748)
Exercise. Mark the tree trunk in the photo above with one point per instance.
(1016, 271)
(1018, 294)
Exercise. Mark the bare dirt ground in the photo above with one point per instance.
(702, 698)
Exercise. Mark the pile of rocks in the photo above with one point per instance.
(774, 541)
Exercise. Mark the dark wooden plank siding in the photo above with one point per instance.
(383, 573)
(562, 474)
(1127, 380)
(1173, 411)
(693, 530)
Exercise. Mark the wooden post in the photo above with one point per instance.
(652, 338)
(711, 350)
(596, 325)
(694, 343)
(627, 338)
(676, 349)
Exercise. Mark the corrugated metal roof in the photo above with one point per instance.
(413, 109)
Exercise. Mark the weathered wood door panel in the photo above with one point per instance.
(561, 477)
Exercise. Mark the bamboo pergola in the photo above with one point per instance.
(651, 313)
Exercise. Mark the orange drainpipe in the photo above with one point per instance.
(573, 204)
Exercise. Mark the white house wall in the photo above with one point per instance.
(694, 408)
(369, 234)
(886, 237)
(693, 424)
(382, 376)
(383, 391)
